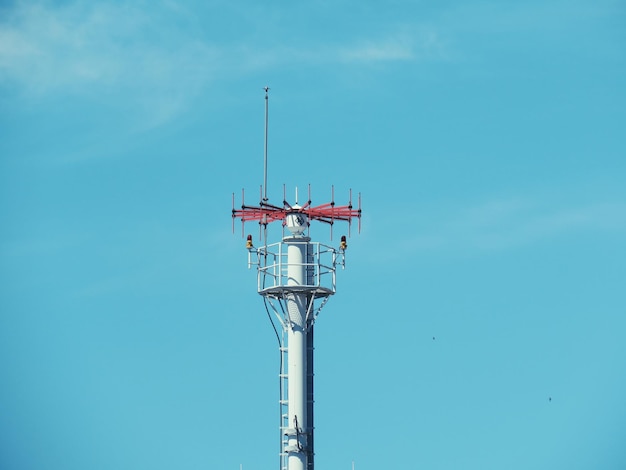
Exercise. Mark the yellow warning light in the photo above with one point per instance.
(249, 242)
(344, 244)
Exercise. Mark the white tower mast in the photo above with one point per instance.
(296, 325)
(296, 277)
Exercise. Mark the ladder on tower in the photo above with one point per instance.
(284, 405)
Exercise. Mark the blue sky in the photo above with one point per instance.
(487, 140)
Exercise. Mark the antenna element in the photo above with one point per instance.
(265, 150)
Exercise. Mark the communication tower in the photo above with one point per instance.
(296, 277)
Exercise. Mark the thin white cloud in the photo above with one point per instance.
(80, 45)
(46, 48)
(77, 45)
(507, 224)
(407, 45)
(383, 51)
(104, 49)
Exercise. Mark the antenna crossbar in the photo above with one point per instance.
(266, 213)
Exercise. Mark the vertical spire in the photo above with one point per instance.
(265, 149)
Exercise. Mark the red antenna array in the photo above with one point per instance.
(266, 213)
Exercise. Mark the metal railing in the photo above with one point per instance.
(272, 266)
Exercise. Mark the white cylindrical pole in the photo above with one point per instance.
(296, 352)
